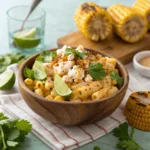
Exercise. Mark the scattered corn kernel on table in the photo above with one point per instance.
(56, 26)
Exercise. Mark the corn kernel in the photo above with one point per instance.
(46, 92)
(28, 81)
(39, 85)
(39, 92)
(49, 97)
(59, 98)
(53, 93)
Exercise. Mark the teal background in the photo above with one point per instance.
(59, 21)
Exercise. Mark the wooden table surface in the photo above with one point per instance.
(59, 21)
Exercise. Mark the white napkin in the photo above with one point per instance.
(61, 137)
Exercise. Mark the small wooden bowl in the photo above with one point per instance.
(72, 113)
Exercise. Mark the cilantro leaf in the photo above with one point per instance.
(8, 122)
(115, 76)
(2, 117)
(128, 145)
(73, 51)
(3, 138)
(53, 55)
(13, 134)
(8, 59)
(28, 73)
(132, 132)
(97, 148)
(122, 132)
(97, 71)
(40, 58)
(46, 56)
(126, 140)
(81, 54)
(24, 125)
(12, 143)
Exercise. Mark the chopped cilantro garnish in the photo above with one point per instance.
(28, 73)
(46, 56)
(11, 58)
(115, 76)
(97, 71)
(73, 51)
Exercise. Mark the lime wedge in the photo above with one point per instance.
(61, 87)
(39, 71)
(27, 42)
(26, 38)
(7, 80)
(28, 33)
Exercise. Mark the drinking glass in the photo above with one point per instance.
(28, 39)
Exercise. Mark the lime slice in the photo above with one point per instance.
(26, 38)
(6, 61)
(61, 87)
(39, 71)
(27, 42)
(28, 33)
(7, 80)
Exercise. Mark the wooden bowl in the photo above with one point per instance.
(72, 113)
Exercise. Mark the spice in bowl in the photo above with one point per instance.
(145, 61)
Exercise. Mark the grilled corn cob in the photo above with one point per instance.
(128, 24)
(143, 7)
(137, 110)
(93, 21)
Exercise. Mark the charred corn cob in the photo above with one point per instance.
(137, 110)
(93, 21)
(143, 7)
(128, 24)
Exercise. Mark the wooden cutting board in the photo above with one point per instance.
(113, 45)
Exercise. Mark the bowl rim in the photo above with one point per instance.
(23, 86)
(137, 63)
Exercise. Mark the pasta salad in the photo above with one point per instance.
(86, 76)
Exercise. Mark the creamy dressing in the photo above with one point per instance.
(145, 61)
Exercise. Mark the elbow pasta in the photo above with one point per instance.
(96, 86)
(112, 91)
(84, 92)
(100, 94)
(74, 72)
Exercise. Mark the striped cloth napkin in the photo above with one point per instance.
(56, 136)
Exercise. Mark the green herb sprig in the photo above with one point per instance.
(125, 138)
(96, 148)
(28, 73)
(96, 71)
(8, 59)
(115, 76)
(12, 132)
(46, 56)
(37, 72)
(77, 53)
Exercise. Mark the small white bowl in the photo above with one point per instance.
(145, 71)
